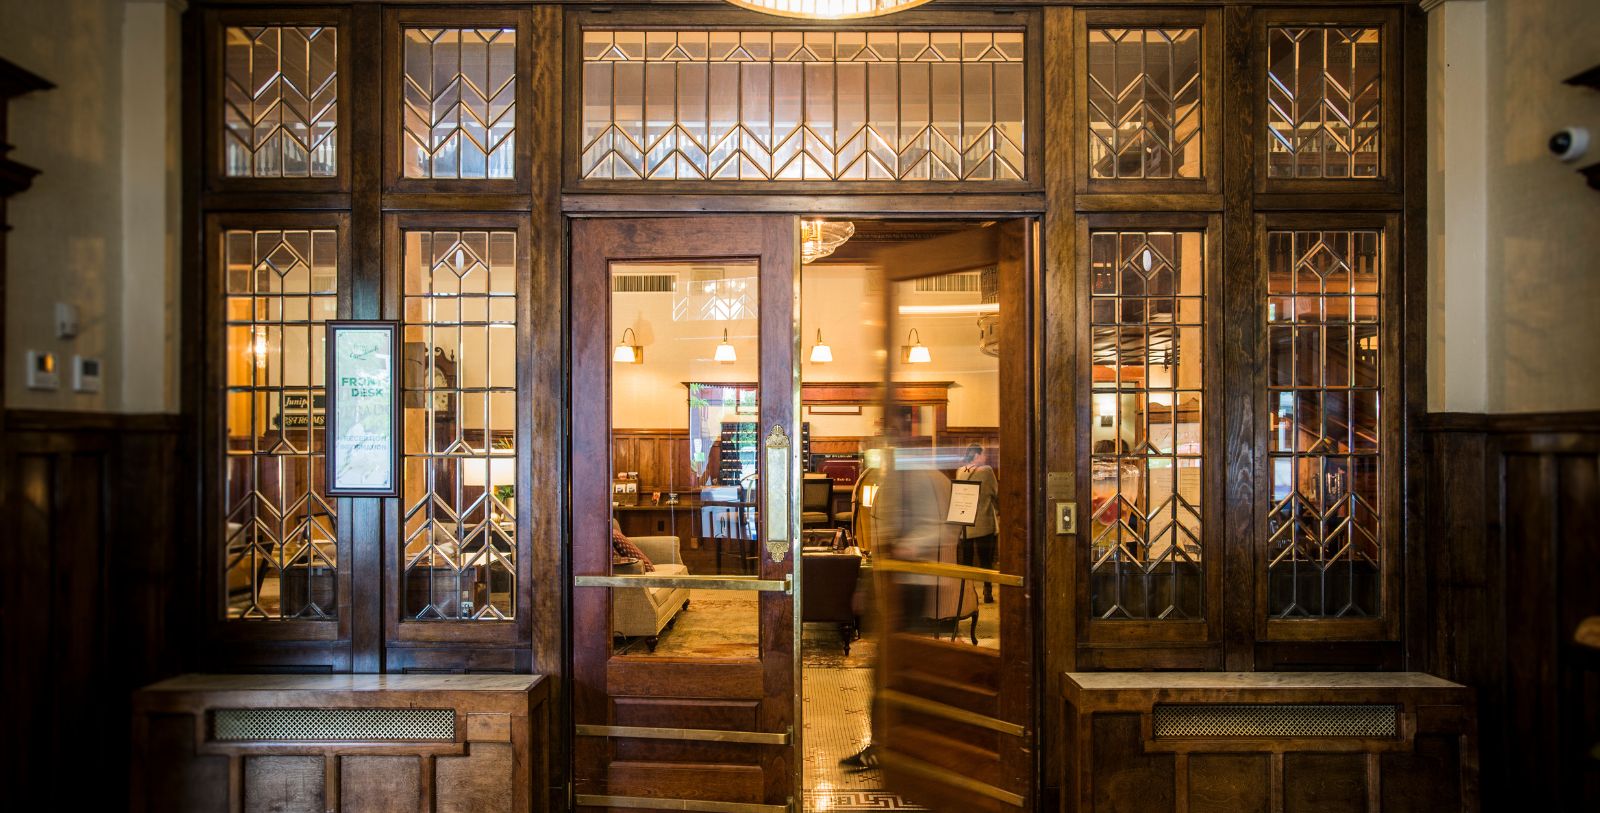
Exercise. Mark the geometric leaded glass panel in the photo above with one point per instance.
(459, 545)
(1323, 106)
(1144, 103)
(803, 105)
(1324, 351)
(1147, 305)
(458, 112)
(280, 535)
(280, 106)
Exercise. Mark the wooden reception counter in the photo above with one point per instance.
(1268, 742)
(341, 742)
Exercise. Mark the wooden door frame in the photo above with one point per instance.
(595, 244)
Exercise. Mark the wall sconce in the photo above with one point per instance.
(914, 351)
(628, 352)
(725, 352)
(821, 353)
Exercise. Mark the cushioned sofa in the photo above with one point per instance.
(645, 611)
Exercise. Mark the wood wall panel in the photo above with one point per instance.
(285, 785)
(380, 784)
(1512, 525)
(91, 604)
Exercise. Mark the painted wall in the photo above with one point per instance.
(1515, 234)
(99, 227)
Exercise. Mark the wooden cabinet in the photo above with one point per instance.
(1268, 742)
(318, 743)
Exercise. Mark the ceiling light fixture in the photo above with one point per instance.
(828, 9)
(628, 352)
(821, 353)
(819, 238)
(725, 352)
(914, 351)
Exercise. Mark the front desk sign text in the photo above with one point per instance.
(364, 413)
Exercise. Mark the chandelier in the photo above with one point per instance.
(828, 9)
(819, 238)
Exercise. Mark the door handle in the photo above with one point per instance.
(778, 487)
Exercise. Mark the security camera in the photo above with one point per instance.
(1569, 143)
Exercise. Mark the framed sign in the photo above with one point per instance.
(963, 502)
(363, 409)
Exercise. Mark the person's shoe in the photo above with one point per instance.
(864, 760)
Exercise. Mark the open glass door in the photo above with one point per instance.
(954, 721)
(685, 457)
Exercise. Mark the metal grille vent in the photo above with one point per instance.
(280, 725)
(1250, 721)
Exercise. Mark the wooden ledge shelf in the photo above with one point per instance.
(380, 742)
(1268, 742)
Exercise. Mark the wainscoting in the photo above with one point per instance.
(91, 606)
(1511, 507)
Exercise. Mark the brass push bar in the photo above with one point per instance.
(944, 776)
(653, 803)
(687, 734)
(691, 582)
(967, 572)
(948, 712)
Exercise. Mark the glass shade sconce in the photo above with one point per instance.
(821, 353)
(628, 352)
(914, 351)
(828, 9)
(725, 352)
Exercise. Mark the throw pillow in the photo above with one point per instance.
(622, 546)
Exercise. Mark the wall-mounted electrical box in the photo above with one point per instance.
(41, 371)
(85, 374)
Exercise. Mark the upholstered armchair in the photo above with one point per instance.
(646, 611)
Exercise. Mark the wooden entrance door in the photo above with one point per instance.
(954, 715)
(684, 678)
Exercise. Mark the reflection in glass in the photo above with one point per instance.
(458, 115)
(1324, 299)
(944, 440)
(1144, 103)
(1323, 108)
(1147, 426)
(280, 107)
(280, 552)
(803, 105)
(459, 522)
(685, 439)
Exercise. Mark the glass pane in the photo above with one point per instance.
(1147, 425)
(803, 105)
(1323, 525)
(1323, 108)
(459, 541)
(280, 537)
(685, 438)
(280, 109)
(458, 117)
(1144, 103)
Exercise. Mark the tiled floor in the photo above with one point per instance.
(838, 724)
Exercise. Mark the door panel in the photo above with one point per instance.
(954, 721)
(703, 710)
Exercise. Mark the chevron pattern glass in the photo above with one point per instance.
(803, 105)
(458, 103)
(1324, 350)
(280, 105)
(1144, 103)
(1146, 305)
(459, 525)
(1323, 106)
(280, 534)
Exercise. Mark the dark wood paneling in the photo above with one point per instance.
(1512, 512)
(90, 607)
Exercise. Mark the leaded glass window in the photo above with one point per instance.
(459, 544)
(280, 548)
(1324, 111)
(1324, 355)
(458, 110)
(280, 101)
(803, 105)
(1144, 103)
(1147, 304)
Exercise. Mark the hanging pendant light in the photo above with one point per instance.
(828, 9)
(819, 238)
(725, 352)
(821, 353)
(628, 352)
(914, 351)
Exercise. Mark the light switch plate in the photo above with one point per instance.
(41, 371)
(86, 374)
(1066, 517)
